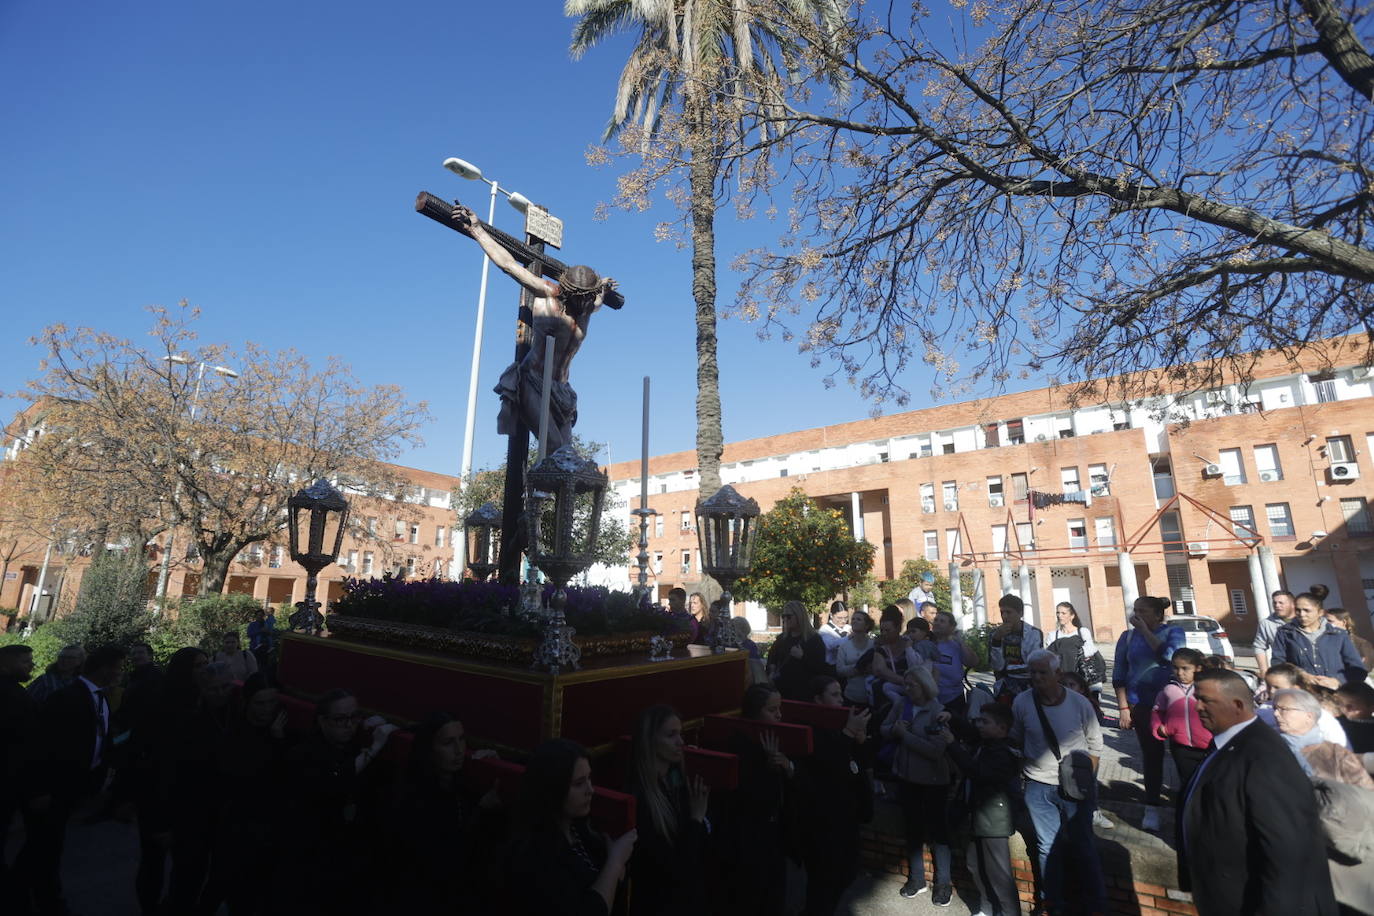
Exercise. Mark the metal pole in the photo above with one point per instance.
(643, 556)
(980, 598)
(470, 424)
(544, 400)
(42, 581)
(166, 569)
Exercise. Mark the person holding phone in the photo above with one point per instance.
(1141, 671)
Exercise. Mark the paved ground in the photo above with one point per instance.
(98, 868)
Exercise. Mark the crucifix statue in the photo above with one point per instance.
(562, 311)
(558, 310)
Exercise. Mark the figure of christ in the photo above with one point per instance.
(562, 311)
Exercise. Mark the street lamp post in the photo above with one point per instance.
(482, 535)
(318, 517)
(471, 172)
(726, 535)
(225, 371)
(562, 545)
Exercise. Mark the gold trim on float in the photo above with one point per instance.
(616, 671)
(408, 655)
(513, 673)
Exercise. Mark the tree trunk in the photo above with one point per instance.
(710, 437)
(214, 570)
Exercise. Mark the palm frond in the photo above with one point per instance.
(597, 20)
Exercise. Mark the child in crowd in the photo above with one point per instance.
(991, 772)
(917, 630)
(743, 631)
(1175, 716)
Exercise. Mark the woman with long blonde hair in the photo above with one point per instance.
(797, 655)
(665, 870)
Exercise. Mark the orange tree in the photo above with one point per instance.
(806, 553)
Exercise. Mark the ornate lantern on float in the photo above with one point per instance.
(564, 506)
(482, 535)
(318, 514)
(726, 524)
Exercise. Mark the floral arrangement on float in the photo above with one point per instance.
(486, 620)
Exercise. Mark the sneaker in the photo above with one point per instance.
(1101, 820)
(944, 893)
(1150, 822)
(912, 889)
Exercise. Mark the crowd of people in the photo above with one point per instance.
(1274, 811)
(968, 767)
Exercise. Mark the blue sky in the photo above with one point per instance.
(261, 160)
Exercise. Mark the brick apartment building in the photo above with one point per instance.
(1025, 489)
(1197, 487)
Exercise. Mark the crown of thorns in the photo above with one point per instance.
(579, 281)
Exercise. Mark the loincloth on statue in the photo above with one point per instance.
(520, 388)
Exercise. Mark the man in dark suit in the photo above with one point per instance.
(70, 745)
(1251, 840)
(16, 723)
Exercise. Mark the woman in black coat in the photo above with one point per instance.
(670, 810)
(251, 763)
(332, 775)
(148, 758)
(798, 655)
(837, 798)
(755, 835)
(439, 834)
(558, 863)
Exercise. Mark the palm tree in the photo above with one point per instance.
(717, 60)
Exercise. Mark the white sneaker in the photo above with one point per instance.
(1101, 820)
(1150, 822)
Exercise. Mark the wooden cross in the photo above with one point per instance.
(440, 210)
(532, 255)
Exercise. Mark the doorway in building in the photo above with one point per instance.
(1071, 584)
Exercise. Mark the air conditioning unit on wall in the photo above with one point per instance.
(1212, 470)
(994, 499)
(1345, 470)
(951, 505)
(1269, 476)
(1197, 548)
